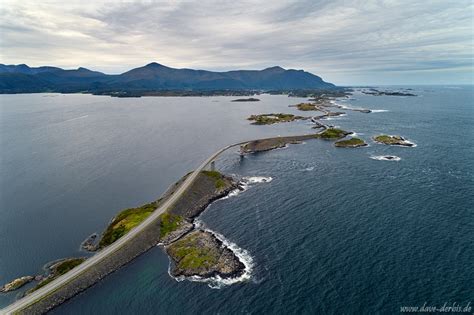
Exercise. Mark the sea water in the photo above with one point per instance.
(330, 230)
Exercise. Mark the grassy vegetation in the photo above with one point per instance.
(66, 265)
(219, 180)
(333, 133)
(306, 106)
(353, 142)
(169, 223)
(191, 255)
(388, 139)
(59, 269)
(220, 183)
(213, 174)
(124, 222)
(268, 119)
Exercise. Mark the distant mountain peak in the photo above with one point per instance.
(155, 64)
(274, 69)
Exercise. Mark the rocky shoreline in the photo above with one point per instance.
(200, 253)
(393, 140)
(376, 92)
(195, 252)
(16, 284)
(350, 143)
(208, 187)
(270, 119)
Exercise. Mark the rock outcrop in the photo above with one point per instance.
(202, 254)
(16, 284)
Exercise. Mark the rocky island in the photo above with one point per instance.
(350, 143)
(393, 140)
(333, 134)
(250, 99)
(269, 119)
(376, 92)
(200, 253)
(267, 144)
(16, 284)
(261, 145)
(195, 252)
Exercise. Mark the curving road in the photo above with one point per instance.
(62, 280)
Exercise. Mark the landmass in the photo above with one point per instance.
(193, 251)
(393, 140)
(306, 106)
(333, 134)
(269, 119)
(261, 145)
(57, 269)
(54, 270)
(125, 221)
(250, 99)
(174, 224)
(16, 284)
(376, 92)
(153, 79)
(350, 143)
(200, 253)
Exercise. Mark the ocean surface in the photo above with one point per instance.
(323, 229)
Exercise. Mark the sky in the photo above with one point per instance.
(344, 42)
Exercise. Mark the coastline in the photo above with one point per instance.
(252, 146)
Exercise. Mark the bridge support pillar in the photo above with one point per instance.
(213, 165)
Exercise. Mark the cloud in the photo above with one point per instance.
(343, 42)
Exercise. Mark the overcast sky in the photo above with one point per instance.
(345, 42)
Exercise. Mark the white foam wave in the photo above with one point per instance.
(218, 282)
(247, 182)
(309, 168)
(379, 110)
(385, 158)
(343, 106)
(257, 179)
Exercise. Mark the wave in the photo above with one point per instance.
(257, 179)
(309, 168)
(218, 282)
(413, 144)
(379, 110)
(385, 158)
(246, 182)
(81, 117)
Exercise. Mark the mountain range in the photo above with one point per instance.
(152, 77)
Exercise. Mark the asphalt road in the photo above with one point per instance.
(89, 263)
